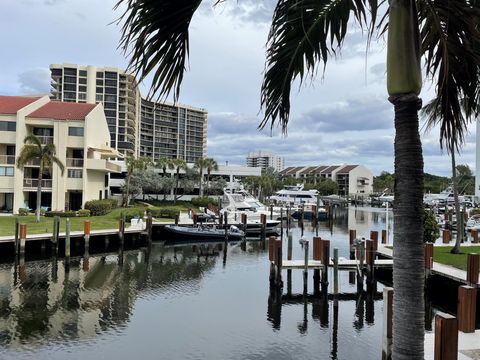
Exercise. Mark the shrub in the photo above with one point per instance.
(475, 211)
(61, 214)
(204, 201)
(23, 211)
(42, 212)
(430, 227)
(100, 207)
(132, 213)
(83, 213)
(165, 212)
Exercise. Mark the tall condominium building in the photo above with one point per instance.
(264, 160)
(137, 126)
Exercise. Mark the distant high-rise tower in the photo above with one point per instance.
(137, 127)
(264, 160)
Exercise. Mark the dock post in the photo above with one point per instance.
(121, 230)
(352, 236)
(17, 242)
(446, 337)
(302, 214)
(86, 234)
(244, 222)
(55, 235)
(384, 236)
(374, 238)
(67, 245)
(263, 220)
(466, 308)
(271, 212)
(279, 259)
(305, 268)
(387, 323)
(335, 271)
(446, 236)
(370, 259)
(316, 255)
(23, 237)
(288, 219)
(149, 226)
(428, 257)
(176, 219)
(473, 261)
(274, 255)
(326, 263)
(225, 219)
(281, 223)
(474, 236)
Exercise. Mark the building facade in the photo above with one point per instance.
(137, 126)
(82, 141)
(264, 160)
(351, 179)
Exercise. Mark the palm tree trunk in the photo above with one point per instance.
(458, 215)
(208, 182)
(176, 186)
(408, 262)
(164, 190)
(39, 195)
(201, 182)
(127, 191)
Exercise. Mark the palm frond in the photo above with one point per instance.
(304, 33)
(27, 153)
(450, 43)
(56, 160)
(155, 35)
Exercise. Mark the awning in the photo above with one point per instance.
(106, 152)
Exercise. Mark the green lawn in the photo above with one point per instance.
(109, 221)
(442, 255)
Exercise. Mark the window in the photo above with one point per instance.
(70, 71)
(70, 79)
(110, 75)
(100, 74)
(99, 98)
(82, 72)
(112, 83)
(110, 90)
(8, 126)
(6, 171)
(82, 88)
(82, 96)
(70, 87)
(75, 173)
(82, 81)
(57, 72)
(75, 131)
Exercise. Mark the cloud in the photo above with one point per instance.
(34, 81)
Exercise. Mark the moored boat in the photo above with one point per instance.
(204, 233)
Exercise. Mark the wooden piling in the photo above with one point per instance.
(474, 234)
(86, 234)
(55, 234)
(374, 238)
(121, 230)
(370, 259)
(67, 239)
(149, 227)
(244, 222)
(446, 236)
(225, 219)
(325, 262)
(387, 323)
(271, 212)
(305, 268)
(473, 261)
(317, 248)
(335, 271)
(177, 219)
(446, 337)
(428, 259)
(263, 220)
(17, 242)
(352, 236)
(23, 237)
(384, 236)
(466, 308)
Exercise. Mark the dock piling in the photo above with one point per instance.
(335, 271)
(387, 323)
(263, 220)
(428, 257)
(473, 268)
(466, 308)
(352, 236)
(316, 255)
(325, 262)
(384, 236)
(67, 245)
(446, 337)
(374, 238)
(474, 234)
(149, 228)
(446, 237)
(17, 242)
(23, 237)
(86, 234)
(225, 219)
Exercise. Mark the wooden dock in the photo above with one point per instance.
(343, 264)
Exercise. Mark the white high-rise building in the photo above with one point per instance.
(137, 126)
(264, 160)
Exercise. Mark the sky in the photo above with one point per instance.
(341, 116)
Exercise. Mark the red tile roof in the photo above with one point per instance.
(347, 169)
(63, 111)
(11, 104)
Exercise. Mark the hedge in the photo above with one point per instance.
(166, 212)
(204, 201)
(132, 213)
(61, 213)
(23, 212)
(100, 207)
(83, 213)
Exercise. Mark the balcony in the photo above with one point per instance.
(72, 162)
(33, 183)
(103, 165)
(7, 159)
(44, 140)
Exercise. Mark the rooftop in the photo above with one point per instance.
(11, 104)
(63, 111)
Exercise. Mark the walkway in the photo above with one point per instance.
(468, 346)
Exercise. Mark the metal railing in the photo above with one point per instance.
(7, 159)
(44, 140)
(72, 162)
(46, 183)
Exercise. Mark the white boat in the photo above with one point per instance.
(295, 196)
(237, 201)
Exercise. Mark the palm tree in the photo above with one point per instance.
(201, 164)
(164, 163)
(133, 165)
(45, 155)
(178, 164)
(211, 165)
(304, 34)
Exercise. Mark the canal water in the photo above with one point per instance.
(187, 302)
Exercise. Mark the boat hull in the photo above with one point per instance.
(179, 233)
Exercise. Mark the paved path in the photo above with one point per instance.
(468, 346)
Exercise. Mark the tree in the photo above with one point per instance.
(466, 180)
(46, 157)
(383, 182)
(133, 164)
(164, 163)
(212, 165)
(201, 164)
(304, 34)
(178, 165)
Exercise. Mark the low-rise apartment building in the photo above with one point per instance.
(82, 140)
(351, 179)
